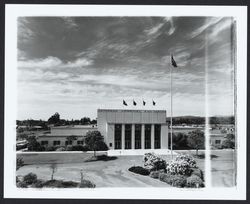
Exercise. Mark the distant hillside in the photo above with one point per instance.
(201, 120)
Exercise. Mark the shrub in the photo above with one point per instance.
(188, 158)
(139, 170)
(180, 167)
(85, 148)
(79, 148)
(69, 148)
(197, 172)
(30, 178)
(174, 180)
(154, 174)
(60, 184)
(86, 184)
(153, 162)
(38, 184)
(194, 181)
(60, 149)
(21, 184)
(50, 148)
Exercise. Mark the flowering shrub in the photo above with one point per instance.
(174, 180)
(194, 182)
(153, 162)
(189, 159)
(197, 172)
(178, 167)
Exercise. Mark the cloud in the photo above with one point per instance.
(53, 62)
(208, 23)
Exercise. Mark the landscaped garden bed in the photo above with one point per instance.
(181, 171)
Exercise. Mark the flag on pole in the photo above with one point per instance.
(124, 103)
(144, 103)
(153, 103)
(134, 103)
(173, 61)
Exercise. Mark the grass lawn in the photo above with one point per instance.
(114, 173)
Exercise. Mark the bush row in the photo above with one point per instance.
(30, 180)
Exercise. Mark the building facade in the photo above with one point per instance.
(59, 135)
(122, 130)
(133, 129)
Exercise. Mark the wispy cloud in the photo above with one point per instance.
(79, 64)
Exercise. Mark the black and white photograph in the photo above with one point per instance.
(131, 100)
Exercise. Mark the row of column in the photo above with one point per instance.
(152, 136)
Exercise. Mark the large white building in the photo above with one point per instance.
(122, 130)
(133, 129)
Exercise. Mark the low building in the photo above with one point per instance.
(122, 129)
(58, 135)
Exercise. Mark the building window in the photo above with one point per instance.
(217, 141)
(157, 136)
(128, 136)
(79, 142)
(147, 136)
(118, 136)
(56, 142)
(110, 144)
(137, 136)
(68, 142)
(44, 142)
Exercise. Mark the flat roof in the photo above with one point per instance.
(75, 127)
(129, 110)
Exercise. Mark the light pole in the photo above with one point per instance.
(173, 64)
(171, 112)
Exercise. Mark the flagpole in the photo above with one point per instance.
(171, 112)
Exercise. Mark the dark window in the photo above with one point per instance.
(80, 142)
(110, 144)
(44, 142)
(128, 136)
(68, 142)
(118, 136)
(157, 136)
(147, 136)
(217, 141)
(137, 136)
(56, 142)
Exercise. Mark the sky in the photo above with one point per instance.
(75, 65)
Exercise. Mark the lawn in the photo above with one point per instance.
(114, 173)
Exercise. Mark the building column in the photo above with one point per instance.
(152, 136)
(123, 136)
(142, 136)
(133, 136)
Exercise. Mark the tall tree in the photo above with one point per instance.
(54, 119)
(93, 140)
(196, 140)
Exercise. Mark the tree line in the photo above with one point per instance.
(196, 120)
(55, 120)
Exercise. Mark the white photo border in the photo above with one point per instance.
(12, 12)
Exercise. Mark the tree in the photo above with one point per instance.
(93, 140)
(229, 142)
(85, 121)
(71, 138)
(53, 167)
(33, 145)
(54, 119)
(196, 140)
